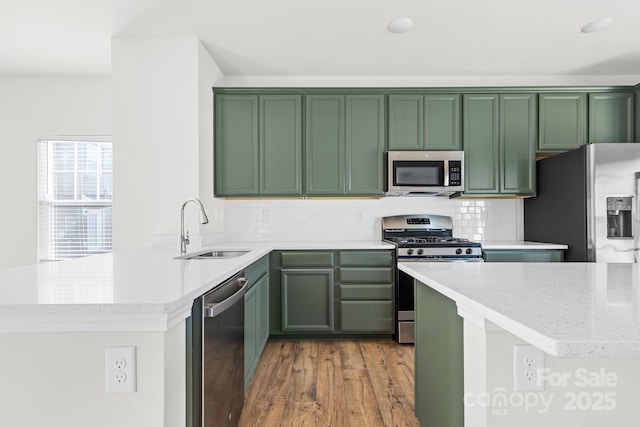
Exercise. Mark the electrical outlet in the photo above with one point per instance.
(528, 365)
(120, 370)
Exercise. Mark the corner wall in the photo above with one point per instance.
(32, 108)
(161, 87)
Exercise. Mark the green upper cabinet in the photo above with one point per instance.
(281, 144)
(425, 122)
(442, 122)
(236, 148)
(325, 144)
(518, 136)
(258, 147)
(406, 122)
(500, 134)
(611, 117)
(365, 144)
(562, 121)
(637, 112)
(481, 143)
(345, 143)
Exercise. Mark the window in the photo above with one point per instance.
(74, 197)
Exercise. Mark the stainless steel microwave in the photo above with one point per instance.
(425, 173)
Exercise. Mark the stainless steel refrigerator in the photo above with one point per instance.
(588, 199)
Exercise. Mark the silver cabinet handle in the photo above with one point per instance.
(213, 310)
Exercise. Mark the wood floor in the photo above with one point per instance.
(332, 383)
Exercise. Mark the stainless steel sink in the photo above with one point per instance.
(213, 254)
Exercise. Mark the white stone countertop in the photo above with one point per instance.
(519, 245)
(565, 309)
(138, 290)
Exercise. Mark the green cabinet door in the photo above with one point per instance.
(325, 145)
(442, 122)
(236, 145)
(280, 145)
(365, 144)
(262, 314)
(307, 300)
(518, 136)
(611, 117)
(636, 95)
(562, 121)
(406, 122)
(481, 144)
(250, 348)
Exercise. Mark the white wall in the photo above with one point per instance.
(359, 219)
(59, 380)
(33, 108)
(608, 398)
(160, 118)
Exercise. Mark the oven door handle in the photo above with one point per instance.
(213, 310)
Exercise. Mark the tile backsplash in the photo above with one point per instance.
(359, 219)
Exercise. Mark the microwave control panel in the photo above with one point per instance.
(455, 173)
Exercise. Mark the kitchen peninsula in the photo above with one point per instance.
(57, 318)
(584, 316)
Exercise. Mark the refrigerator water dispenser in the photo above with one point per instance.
(619, 219)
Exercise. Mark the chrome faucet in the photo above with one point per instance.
(184, 237)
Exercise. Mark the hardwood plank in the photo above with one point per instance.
(302, 385)
(330, 392)
(394, 406)
(265, 399)
(361, 400)
(298, 414)
(332, 383)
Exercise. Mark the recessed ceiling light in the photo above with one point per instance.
(401, 25)
(597, 25)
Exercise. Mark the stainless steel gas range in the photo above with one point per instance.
(427, 238)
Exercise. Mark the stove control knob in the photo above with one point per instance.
(409, 251)
(420, 251)
(458, 251)
(468, 251)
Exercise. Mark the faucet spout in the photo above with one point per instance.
(184, 236)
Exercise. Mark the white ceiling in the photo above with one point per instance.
(332, 37)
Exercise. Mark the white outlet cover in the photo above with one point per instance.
(523, 380)
(113, 357)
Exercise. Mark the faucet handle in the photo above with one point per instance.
(186, 238)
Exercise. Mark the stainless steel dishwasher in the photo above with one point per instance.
(218, 355)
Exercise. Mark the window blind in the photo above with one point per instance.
(75, 198)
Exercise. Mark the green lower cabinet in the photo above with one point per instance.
(611, 117)
(324, 293)
(534, 255)
(256, 316)
(366, 316)
(439, 360)
(307, 300)
(250, 334)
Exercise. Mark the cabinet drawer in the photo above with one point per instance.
(366, 291)
(366, 316)
(256, 270)
(380, 258)
(376, 275)
(307, 259)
